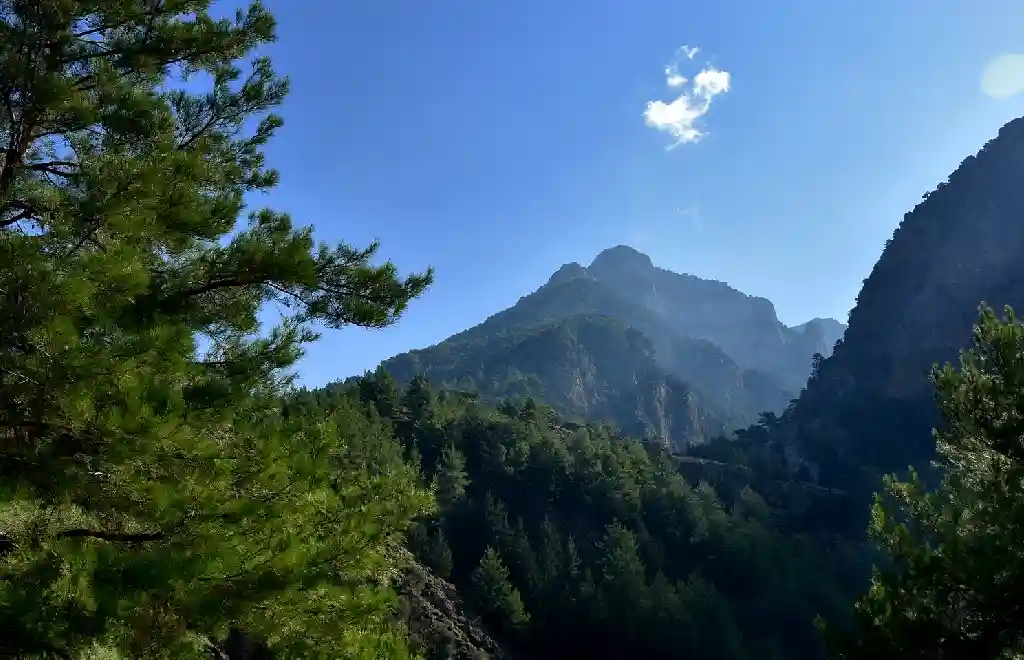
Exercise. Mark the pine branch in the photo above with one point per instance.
(27, 211)
(113, 537)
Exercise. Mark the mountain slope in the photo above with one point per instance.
(871, 405)
(680, 315)
(587, 367)
(821, 334)
(571, 540)
(745, 327)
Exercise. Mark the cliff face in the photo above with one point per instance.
(586, 367)
(439, 621)
(745, 327)
(961, 246)
(957, 248)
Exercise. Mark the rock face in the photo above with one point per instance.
(871, 402)
(745, 327)
(586, 367)
(707, 358)
(437, 619)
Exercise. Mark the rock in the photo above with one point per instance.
(439, 622)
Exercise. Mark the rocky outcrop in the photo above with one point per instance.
(438, 620)
(586, 367)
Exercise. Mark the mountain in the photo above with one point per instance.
(705, 357)
(821, 334)
(869, 408)
(588, 368)
(572, 540)
(745, 327)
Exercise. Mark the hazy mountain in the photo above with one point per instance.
(727, 351)
(822, 333)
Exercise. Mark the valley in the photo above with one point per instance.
(679, 363)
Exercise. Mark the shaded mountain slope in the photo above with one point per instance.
(870, 406)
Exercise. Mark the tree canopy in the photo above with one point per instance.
(151, 493)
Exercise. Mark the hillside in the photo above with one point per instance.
(869, 408)
(573, 540)
(730, 350)
(871, 404)
(588, 368)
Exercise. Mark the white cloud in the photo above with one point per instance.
(711, 82)
(1003, 76)
(689, 53)
(679, 116)
(673, 78)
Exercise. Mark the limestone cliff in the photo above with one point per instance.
(871, 403)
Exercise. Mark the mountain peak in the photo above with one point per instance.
(828, 324)
(621, 257)
(566, 272)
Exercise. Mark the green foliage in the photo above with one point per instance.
(153, 493)
(601, 536)
(952, 585)
(436, 553)
(495, 595)
(451, 478)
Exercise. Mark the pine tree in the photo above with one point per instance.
(151, 495)
(550, 559)
(439, 555)
(523, 562)
(451, 478)
(381, 389)
(495, 595)
(622, 583)
(417, 423)
(952, 588)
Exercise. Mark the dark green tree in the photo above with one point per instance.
(381, 389)
(451, 478)
(419, 399)
(622, 583)
(151, 495)
(522, 561)
(495, 595)
(438, 554)
(952, 588)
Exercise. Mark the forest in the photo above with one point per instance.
(572, 538)
(167, 491)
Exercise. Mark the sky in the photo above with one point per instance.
(771, 145)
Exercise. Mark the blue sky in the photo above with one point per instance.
(499, 139)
